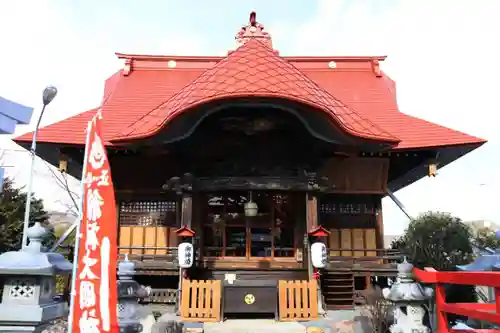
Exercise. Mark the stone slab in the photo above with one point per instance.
(253, 326)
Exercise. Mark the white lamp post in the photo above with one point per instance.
(48, 95)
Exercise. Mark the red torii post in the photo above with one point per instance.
(489, 312)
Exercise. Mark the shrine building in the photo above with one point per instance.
(253, 156)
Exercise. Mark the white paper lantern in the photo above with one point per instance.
(251, 209)
(318, 255)
(186, 255)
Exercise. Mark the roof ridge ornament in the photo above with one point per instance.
(253, 30)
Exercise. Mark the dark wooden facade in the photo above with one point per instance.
(297, 181)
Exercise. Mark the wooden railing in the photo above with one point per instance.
(146, 258)
(489, 312)
(161, 296)
(136, 253)
(353, 255)
(346, 253)
(270, 252)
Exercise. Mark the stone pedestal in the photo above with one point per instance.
(409, 298)
(29, 285)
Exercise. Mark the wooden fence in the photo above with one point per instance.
(201, 300)
(298, 300)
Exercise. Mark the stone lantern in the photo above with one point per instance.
(409, 298)
(29, 283)
(129, 292)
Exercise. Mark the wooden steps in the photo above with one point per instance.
(338, 289)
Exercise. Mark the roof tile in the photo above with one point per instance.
(373, 98)
(255, 70)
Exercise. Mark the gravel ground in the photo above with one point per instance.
(336, 321)
(58, 326)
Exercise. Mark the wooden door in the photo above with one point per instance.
(228, 233)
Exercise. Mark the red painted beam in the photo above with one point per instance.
(481, 311)
(475, 331)
(478, 306)
(490, 279)
(488, 316)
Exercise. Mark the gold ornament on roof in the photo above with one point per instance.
(253, 30)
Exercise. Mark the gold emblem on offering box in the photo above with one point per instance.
(249, 299)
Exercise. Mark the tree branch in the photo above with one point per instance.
(62, 181)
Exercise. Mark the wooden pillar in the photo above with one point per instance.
(311, 223)
(118, 200)
(187, 210)
(300, 227)
(379, 227)
(312, 212)
(368, 281)
(186, 220)
(197, 224)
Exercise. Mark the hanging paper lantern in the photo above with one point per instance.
(251, 209)
(186, 255)
(318, 255)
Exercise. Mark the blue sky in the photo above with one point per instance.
(441, 54)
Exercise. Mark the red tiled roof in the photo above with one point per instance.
(364, 103)
(255, 70)
(375, 99)
(132, 97)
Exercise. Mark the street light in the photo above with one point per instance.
(48, 95)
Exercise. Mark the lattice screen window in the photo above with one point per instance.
(23, 289)
(327, 208)
(148, 213)
(350, 208)
(369, 209)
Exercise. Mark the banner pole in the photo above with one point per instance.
(77, 232)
